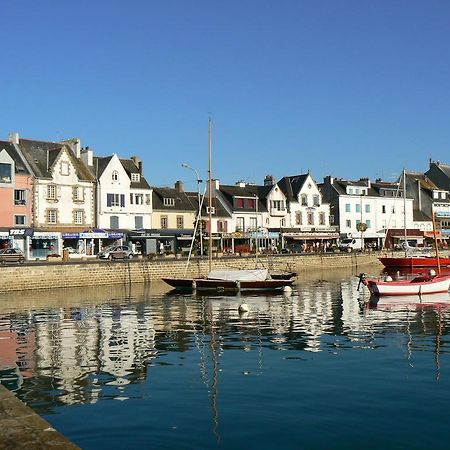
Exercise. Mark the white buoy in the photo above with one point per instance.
(287, 289)
(243, 307)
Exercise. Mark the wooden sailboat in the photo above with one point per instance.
(231, 280)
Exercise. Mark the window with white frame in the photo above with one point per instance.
(78, 217)
(240, 224)
(5, 173)
(164, 222)
(298, 218)
(316, 200)
(253, 223)
(310, 218)
(51, 192)
(138, 222)
(78, 194)
(114, 222)
(168, 201)
(348, 223)
(115, 175)
(180, 222)
(135, 177)
(212, 209)
(304, 200)
(139, 199)
(321, 218)
(51, 216)
(20, 197)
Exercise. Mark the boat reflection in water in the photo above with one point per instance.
(400, 301)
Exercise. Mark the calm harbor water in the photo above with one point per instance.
(141, 367)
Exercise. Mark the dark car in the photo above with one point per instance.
(11, 255)
(117, 252)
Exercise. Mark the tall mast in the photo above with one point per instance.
(404, 212)
(210, 194)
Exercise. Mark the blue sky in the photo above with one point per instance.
(341, 87)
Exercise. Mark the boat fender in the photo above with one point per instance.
(194, 285)
(387, 278)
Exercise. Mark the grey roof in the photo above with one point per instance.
(229, 192)
(40, 155)
(420, 216)
(182, 201)
(100, 164)
(221, 211)
(130, 167)
(20, 166)
(292, 185)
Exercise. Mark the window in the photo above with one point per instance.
(393, 209)
(316, 200)
(251, 203)
(348, 223)
(19, 197)
(148, 199)
(310, 218)
(114, 222)
(131, 199)
(78, 217)
(221, 226)
(321, 218)
(357, 191)
(357, 222)
(298, 218)
(278, 205)
(350, 191)
(213, 210)
(64, 168)
(358, 208)
(253, 223)
(383, 209)
(51, 192)
(240, 224)
(78, 194)
(347, 207)
(5, 173)
(138, 222)
(135, 177)
(139, 199)
(115, 200)
(180, 222)
(332, 218)
(239, 203)
(282, 223)
(435, 194)
(20, 220)
(164, 222)
(367, 208)
(169, 202)
(52, 216)
(304, 200)
(368, 223)
(115, 175)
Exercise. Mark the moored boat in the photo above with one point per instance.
(413, 261)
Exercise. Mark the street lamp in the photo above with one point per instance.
(187, 166)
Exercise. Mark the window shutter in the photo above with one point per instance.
(108, 199)
(225, 226)
(122, 200)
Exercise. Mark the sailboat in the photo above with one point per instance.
(410, 259)
(227, 280)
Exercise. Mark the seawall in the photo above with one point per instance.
(62, 275)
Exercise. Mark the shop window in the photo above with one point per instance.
(5, 173)
(20, 220)
(138, 222)
(52, 216)
(19, 197)
(114, 222)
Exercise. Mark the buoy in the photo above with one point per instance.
(287, 289)
(243, 307)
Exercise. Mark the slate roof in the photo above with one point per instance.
(20, 166)
(221, 211)
(232, 191)
(40, 155)
(182, 201)
(130, 167)
(100, 164)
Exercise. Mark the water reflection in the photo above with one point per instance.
(84, 346)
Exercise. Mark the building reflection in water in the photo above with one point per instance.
(78, 346)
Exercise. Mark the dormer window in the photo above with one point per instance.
(115, 175)
(5, 173)
(169, 202)
(135, 177)
(212, 209)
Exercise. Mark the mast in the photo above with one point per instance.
(435, 239)
(210, 194)
(404, 212)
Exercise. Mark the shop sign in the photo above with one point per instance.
(70, 236)
(45, 235)
(94, 235)
(18, 232)
(114, 235)
(442, 214)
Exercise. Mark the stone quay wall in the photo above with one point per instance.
(95, 273)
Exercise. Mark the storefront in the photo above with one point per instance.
(312, 240)
(90, 242)
(44, 243)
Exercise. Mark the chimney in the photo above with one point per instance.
(14, 138)
(241, 184)
(269, 180)
(419, 195)
(87, 156)
(328, 179)
(179, 186)
(137, 162)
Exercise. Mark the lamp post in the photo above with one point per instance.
(187, 166)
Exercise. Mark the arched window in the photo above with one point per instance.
(115, 175)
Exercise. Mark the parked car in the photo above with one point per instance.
(11, 255)
(293, 247)
(117, 252)
(350, 245)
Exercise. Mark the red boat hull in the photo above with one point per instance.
(411, 262)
